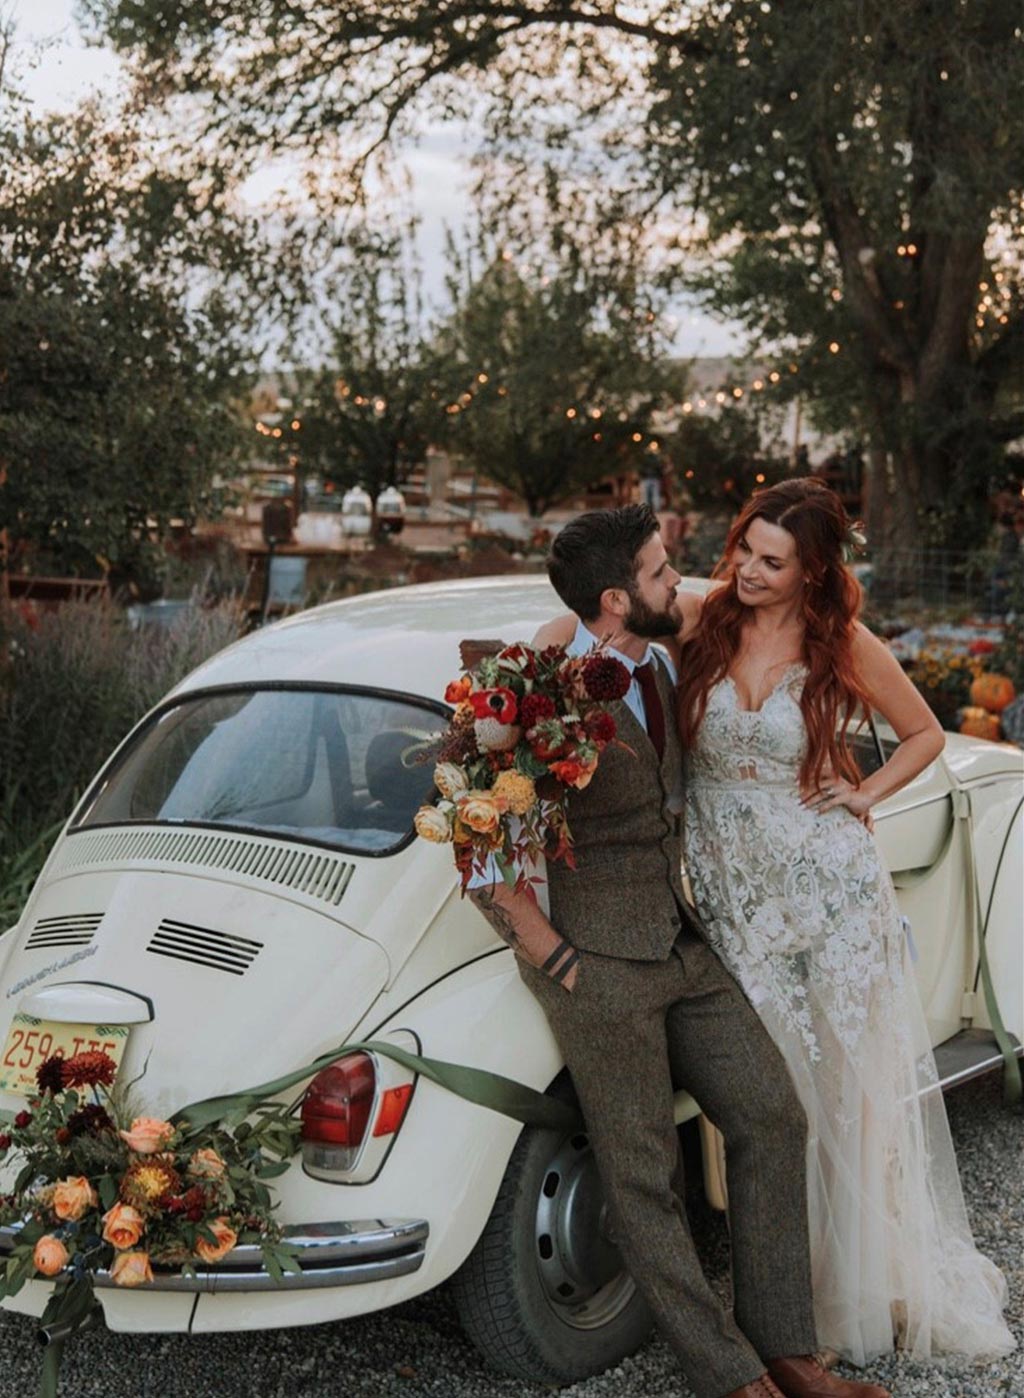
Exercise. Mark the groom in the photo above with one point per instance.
(641, 1006)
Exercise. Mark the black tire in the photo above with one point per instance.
(544, 1295)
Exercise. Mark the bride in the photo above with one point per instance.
(791, 890)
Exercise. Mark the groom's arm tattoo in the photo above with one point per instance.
(499, 917)
(530, 936)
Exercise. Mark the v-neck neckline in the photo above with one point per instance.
(741, 708)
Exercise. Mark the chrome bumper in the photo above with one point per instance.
(330, 1254)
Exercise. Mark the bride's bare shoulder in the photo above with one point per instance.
(559, 631)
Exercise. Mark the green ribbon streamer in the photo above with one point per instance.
(50, 1375)
(477, 1085)
(1013, 1087)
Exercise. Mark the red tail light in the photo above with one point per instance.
(336, 1107)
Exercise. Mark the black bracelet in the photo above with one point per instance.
(565, 967)
(556, 955)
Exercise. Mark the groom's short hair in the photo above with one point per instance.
(596, 551)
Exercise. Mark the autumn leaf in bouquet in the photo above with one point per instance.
(528, 727)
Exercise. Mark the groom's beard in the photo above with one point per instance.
(644, 621)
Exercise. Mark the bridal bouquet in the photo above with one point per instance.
(528, 727)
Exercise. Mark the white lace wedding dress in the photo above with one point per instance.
(803, 914)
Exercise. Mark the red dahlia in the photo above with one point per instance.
(600, 726)
(50, 1075)
(534, 708)
(89, 1120)
(196, 1203)
(605, 677)
(87, 1068)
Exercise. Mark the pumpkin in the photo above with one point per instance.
(979, 723)
(992, 692)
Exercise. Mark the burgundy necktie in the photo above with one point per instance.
(644, 676)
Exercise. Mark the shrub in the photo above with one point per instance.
(73, 682)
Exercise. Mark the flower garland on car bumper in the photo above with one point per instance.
(103, 1190)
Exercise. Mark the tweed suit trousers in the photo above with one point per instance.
(631, 1033)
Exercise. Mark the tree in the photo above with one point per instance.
(855, 170)
(369, 415)
(125, 335)
(554, 370)
(722, 458)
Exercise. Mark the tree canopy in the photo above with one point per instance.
(554, 368)
(844, 179)
(369, 414)
(125, 334)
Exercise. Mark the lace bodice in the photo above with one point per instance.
(766, 745)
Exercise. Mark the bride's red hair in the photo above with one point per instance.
(832, 693)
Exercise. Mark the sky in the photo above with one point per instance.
(65, 69)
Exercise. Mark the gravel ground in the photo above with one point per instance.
(418, 1351)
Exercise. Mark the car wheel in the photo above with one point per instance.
(544, 1294)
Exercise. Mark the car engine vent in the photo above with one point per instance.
(316, 873)
(70, 930)
(221, 951)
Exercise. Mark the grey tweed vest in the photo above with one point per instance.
(624, 896)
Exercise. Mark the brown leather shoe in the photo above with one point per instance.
(801, 1376)
(760, 1388)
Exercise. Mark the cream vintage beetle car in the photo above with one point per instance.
(240, 891)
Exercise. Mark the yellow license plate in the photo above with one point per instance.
(31, 1041)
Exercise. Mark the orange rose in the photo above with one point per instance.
(574, 772)
(458, 691)
(587, 770)
(71, 1197)
(206, 1164)
(131, 1269)
(50, 1256)
(123, 1226)
(148, 1134)
(568, 771)
(481, 812)
(433, 825)
(226, 1240)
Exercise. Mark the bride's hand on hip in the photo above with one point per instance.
(837, 791)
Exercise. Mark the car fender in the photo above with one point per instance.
(483, 1016)
(997, 821)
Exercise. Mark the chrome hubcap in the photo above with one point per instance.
(577, 1259)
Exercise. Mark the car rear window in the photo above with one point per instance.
(347, 769)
